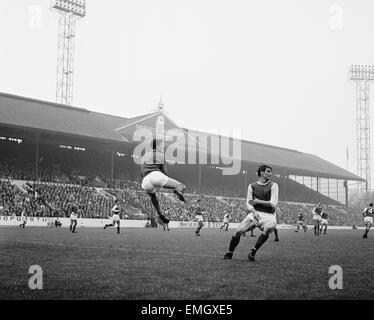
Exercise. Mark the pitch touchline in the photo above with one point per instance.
(112, 248)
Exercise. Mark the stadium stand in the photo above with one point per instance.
(68, 155)
(52, 199)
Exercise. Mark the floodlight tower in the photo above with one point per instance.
(69, 11)
(363, 77)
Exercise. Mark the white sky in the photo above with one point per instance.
(276, 70)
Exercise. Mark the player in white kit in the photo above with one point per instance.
(225, 222)
(115, 217)
(73, 219)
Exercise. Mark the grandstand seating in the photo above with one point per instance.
(53, 199)
(64, 180)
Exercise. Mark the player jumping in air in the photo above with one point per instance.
(199, 218)
(73, 219)
(300, 222)
(368, 219)
(23, 219)
(324, 221)
(262, 200)
(154, 174)
(115, 217)
(225, 222)
(317, 211)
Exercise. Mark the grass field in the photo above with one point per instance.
(152, 264)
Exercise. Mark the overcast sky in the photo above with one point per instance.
(276, 70)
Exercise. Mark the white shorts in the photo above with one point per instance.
(316, 217)
(324, 221)
(266, 221)
(73, 218)
(225, 221)
(154, 181)
(300, 223)
(368, 220)
(199, 218)
(116, 218)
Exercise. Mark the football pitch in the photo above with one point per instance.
(141, 264)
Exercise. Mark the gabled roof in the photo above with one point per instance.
(298, 163)
(25, 113)
(46, 116)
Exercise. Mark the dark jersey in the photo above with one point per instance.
(153, 161)
(301, 217)
(368, 212)
(325, 215)
(262, 192)
(198, 211)
(318, 210)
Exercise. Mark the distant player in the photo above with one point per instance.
(317, 212)
(115, 217)
(301, 222)
(23, 219)
(324, 221)
(368, 219)
(154, 174)
(225, 222)
(199, 218)
(165, 226)
(262, 201)
(73, 219)
(58, 223)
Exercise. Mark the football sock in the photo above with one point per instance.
(276, 233)
(234, 243)
(156, 204)
(261, 240)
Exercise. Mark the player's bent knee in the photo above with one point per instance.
(238, 233)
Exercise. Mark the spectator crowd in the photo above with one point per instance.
(45, 199)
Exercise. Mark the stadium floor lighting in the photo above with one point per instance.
(74, 7)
